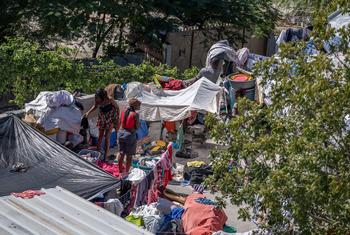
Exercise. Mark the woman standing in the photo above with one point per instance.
(129, 123)
(108, 117)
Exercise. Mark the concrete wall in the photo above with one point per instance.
(180, 49)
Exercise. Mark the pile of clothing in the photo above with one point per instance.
(154, 147)
(202, 216)
(168, 83)
(56, 110)
(195, 214)
(95, 157)
(196, 171)
(160, 217)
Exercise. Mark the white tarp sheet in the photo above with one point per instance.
(56, 110)
(203, 96)
(338, 20)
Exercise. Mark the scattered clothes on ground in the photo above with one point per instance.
(196, 175)
(172, 222)
(152, 222)
(196, 164)
(201, 219)
(229, 229)
(136, 175)
(114, 206)
(90, 155)
(150, 215)
(176, 213)
(112, 169)
(137, 220)
(206, 201)
(199, 188)
(165, 206)
(28, 194)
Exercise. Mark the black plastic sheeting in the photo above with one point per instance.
(44, 163)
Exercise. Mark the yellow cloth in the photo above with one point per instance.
(160, 143)
(156, 81)
(196, 164)
(155, 149)
(137, 220)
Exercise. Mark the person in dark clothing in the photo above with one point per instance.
(108, 117)
(129, 123)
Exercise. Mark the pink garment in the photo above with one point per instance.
(173, 85)
(200, 219)
(28, 194)
(167, 173)
(112, 169)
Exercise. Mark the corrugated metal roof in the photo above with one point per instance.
(59, 211)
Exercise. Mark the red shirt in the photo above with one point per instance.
(131, 120)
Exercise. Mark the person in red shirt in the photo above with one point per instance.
(129, 123)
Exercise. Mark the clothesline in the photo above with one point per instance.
(148, 174)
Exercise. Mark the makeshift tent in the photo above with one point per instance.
(30, 160)
(203, 95)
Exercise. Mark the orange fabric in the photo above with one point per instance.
(170, 126)
(200, 219)
(240, 77)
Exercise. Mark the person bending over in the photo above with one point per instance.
(108, 117)
(129, 123)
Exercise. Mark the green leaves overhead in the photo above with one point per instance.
(113, 23)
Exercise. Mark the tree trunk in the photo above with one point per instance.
(98, 36)
(101, 40)
(97, 47)
(191, 49)
(120, 39)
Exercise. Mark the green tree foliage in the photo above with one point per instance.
(300, 10)
(26, 70)
(223, 19)
(114, 22)
(290, 160)
(10, 16)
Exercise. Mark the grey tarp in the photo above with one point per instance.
(47, 163)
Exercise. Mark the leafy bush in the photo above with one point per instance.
(26, 70)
